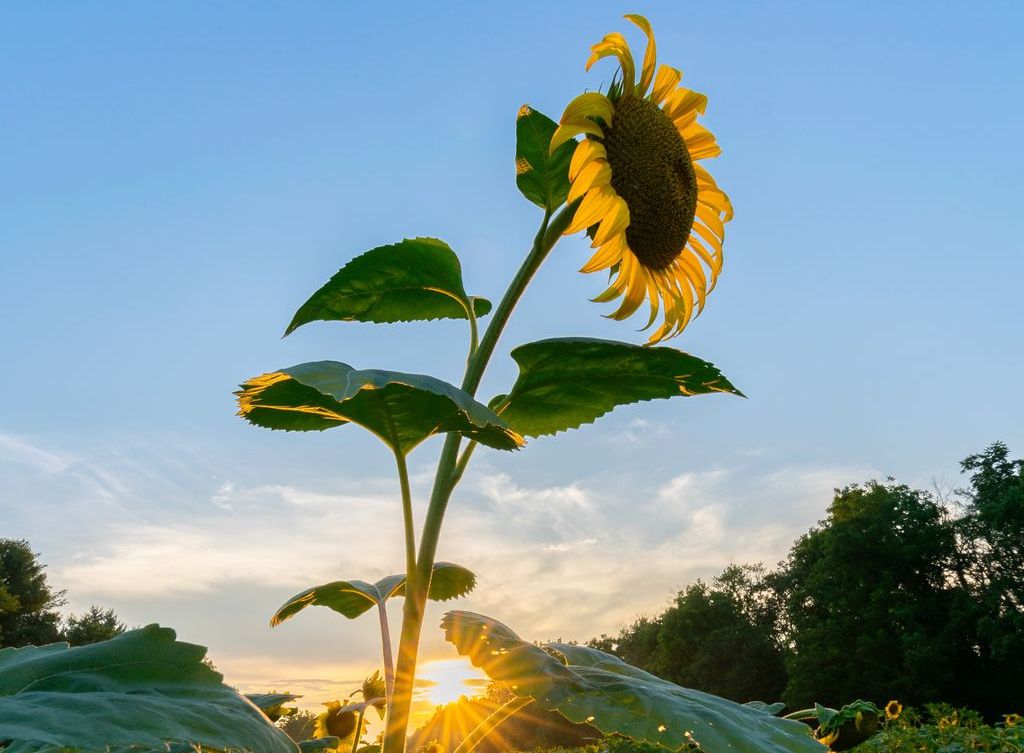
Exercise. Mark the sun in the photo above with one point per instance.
(446, 680)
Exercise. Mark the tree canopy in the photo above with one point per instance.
(29, 606)
(894, 594)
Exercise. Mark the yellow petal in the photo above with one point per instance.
(596, 173)
(567, 131)
(714, 261)
(614, 290)
(704, 178)
(588, 150)
(589, 105)
(695, 273)
(683, 100)
(711, 219)
(610, 253)
(615, 222)
(710, 238)
(595, 205)
(705, 150)
(668, 78)
(717, 200)
(616, 44)
(654, 297)
(683, 121)
(650, 54)
(635, 290)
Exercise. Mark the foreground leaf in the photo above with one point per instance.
(589, 686)
(352, 598)
(400, 409)
(272, 704)
(569, 381)
(541, 177)
(319, 744)
(768, 708)
(140, 689)
(417, 279)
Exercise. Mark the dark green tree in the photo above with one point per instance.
(710, 640)
(872, 608)
(636, 644)
(92, 626)
(28, 606)
(719, 638)
(992, 566)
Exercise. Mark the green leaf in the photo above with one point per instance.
(569, 381)
(417, 279)
(589, 686)
(541, 177)
(448, 581)
(140, 689)
(768, 708)
(353, 598)
(318, 745)
(272, 704)
(401, 409)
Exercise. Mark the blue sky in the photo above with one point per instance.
(177, 178)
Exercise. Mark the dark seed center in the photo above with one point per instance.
(652, 171)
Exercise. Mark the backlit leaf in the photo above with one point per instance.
(541, 177)
(589, 686)
(400, 409)
(569, 381)
(140, 690)
(352, 598)
(419, 278)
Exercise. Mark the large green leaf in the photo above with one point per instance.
(140, 689)
(352, 598)
(569, 381)
(541, 177)
(419, 278)
(589, 686)
(401, 409)
(273, 704)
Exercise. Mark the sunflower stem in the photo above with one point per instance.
(448, 474)
(460, 466)
(385, 640)
(359, 729)
(803, 714)
(410, 530)
(474, 336)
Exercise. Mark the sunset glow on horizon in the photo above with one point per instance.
(443, 681)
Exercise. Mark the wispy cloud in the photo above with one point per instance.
(576, 559)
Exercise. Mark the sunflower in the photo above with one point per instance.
(1011, 720)
(893, 709)
(655, 216)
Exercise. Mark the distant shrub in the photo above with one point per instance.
(941, 728)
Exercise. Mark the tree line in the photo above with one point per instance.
(897, 593)
(30, 607)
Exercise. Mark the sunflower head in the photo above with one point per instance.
(1011, 720)
(893, 709)
(654, 215)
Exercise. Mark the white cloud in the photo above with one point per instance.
(214, 552)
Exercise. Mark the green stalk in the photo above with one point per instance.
(410, 530)
(444, 483)
(802, 714)
(385, 640)
(359, 729)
